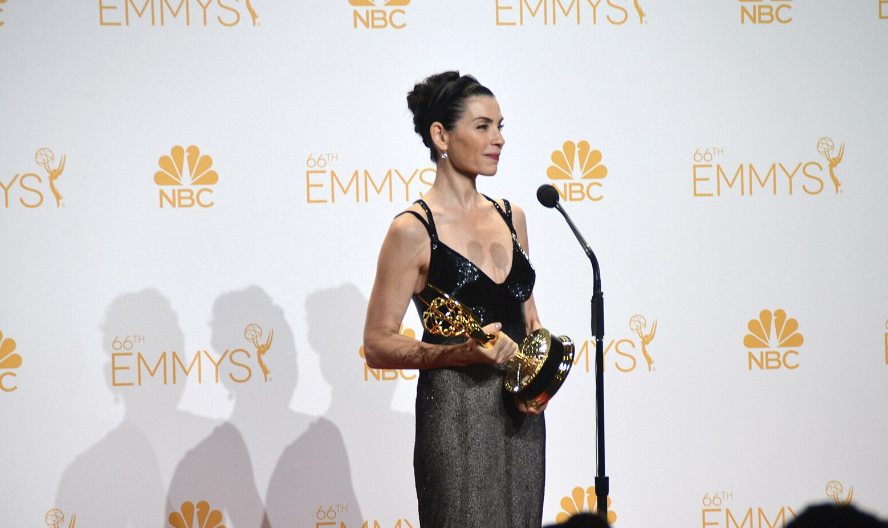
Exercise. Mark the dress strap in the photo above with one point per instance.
(418, 217)
(506, 214)
(429, 224)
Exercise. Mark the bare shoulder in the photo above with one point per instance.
(519, 220)
(407, 231)
(518, 217)
(518, 212)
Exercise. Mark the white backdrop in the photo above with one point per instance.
(132, 307)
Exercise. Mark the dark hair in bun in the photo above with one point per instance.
(441, 98)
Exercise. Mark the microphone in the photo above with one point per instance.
(547, 195)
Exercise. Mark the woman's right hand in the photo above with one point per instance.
(497, 351)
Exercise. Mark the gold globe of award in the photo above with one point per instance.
(534, 375)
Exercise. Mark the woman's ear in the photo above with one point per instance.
(440, 137)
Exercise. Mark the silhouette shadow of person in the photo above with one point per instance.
(313, 481)
(382, 440)
(120, 480)
(256, 353)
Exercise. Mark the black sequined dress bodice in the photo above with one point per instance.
(478, 461)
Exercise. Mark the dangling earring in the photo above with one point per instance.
(444, 155)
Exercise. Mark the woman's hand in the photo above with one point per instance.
(497, 351)
(530, 407)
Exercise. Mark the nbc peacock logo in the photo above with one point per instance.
(9, 360)
(577, 161)
(583, 501)
(379, 14)
(189, 176)
(759, 12)
(773, 338)
(202, 513)
(378, 3)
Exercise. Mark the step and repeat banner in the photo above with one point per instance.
(194, 193)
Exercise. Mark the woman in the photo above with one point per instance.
(479, 453)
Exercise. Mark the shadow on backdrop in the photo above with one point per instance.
(376, 443)
(315, 470)
(120, 481)
(381, 441)
(256, 351)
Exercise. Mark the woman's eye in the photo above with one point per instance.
(500, 127)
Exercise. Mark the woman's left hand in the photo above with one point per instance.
(530, 407)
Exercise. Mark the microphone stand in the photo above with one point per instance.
(601, 479)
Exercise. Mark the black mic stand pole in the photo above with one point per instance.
(601, 480)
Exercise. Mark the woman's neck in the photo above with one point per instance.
(453, 189)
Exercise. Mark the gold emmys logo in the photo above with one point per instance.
(173, 174)
(834, 491)
(616, 12)
(785, 336)
(759, 12)
(324, 185)
(224, 14)
(622, 351)
(883, 14)
(252, 333)
(1, 10)
(723, 506)
(45, 158)
(130, 366)
(580, 501)
(577, 161)
(825, 147)
(886, 343)
(203, 514)
(8, 360)
(375, 18)
(388, 374)
(54, 519)
(768, 179)
(637, 324)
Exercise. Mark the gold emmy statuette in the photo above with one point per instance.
(534, 375)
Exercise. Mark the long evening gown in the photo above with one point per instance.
(478, 461)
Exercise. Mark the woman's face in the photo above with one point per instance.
(476, 141)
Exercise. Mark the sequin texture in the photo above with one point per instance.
(478, 461)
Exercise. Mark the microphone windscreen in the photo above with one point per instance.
(547, 195)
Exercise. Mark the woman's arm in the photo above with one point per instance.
(400, 272)
(531, 316)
